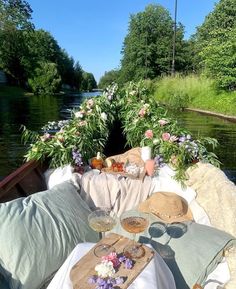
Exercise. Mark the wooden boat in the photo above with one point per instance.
(29, 179)
(24, 181)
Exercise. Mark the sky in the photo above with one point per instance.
(93, 31)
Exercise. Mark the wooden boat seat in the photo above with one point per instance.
(24, 181)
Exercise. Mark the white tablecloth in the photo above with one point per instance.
(155, 276)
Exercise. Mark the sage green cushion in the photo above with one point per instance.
(3, 283)
(191, 250)
(37, 234)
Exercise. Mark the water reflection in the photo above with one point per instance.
(35, 111)
(223, 130)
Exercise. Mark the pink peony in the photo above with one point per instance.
(142, 112)
(149, 133)
(165, 136)
(112, 257)
(162, 122)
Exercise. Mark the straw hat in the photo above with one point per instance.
(169, 207)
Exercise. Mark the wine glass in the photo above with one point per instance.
(102, 220)
(134, 222)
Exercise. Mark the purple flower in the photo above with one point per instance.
(122, 259)
(77, 157)
(128, 263)
(92, 279)
(101, 281)
(159, 160)
(182, 139)
(119, 280)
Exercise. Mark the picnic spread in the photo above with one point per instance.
(121, 193)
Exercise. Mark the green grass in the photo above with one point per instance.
(194, 92)
(8, 91)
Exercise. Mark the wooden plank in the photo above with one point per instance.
(25, 180)
(84, 268)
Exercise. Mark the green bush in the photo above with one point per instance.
(180, 91)
(46, 79)
(194, 91)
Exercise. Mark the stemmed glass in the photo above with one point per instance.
(102, 220)
(134, 222)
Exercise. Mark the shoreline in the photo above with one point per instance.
(216, 114)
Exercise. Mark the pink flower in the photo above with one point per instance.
(45, 137)
(112, 257)
(162, 122)
(90, 103)
(142, 112)
(174, 160)
(165, 136)
(173, 138)
(82, 123)
(149, 133)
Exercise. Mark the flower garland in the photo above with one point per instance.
(144, 122)
(105, 279)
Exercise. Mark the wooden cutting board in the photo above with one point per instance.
(84, 268)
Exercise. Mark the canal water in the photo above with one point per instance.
(35, 111)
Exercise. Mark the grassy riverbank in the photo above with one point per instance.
(8, 91)
(195, 92)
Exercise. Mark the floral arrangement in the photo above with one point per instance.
(145, 122)
(83, 135)
(105, 271)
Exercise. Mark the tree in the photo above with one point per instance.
(78, 75)
(12, 52)
(15, 13)
(219, 58)
(65, 65)
(42, 47)
(216, 44)
(88, 81)
(147, 48)
(46, 79)
(108, 78)
(15, 16)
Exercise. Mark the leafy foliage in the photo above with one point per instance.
(12, 51)
(46, 79)
(108, 78)
(194, 91)
(87, 132)
(219, 58)
(88, 81)
(15, 14)
(145, 122)
(147, 48)
(216, 44)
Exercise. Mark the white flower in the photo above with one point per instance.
(105, 269)
(109, 97)
(90, 103)
(104, 116)
(156, 141)
(79, 114)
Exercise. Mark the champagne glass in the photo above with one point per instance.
(102, 220)
(134, 222)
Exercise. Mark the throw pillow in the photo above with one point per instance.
(38, 232)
